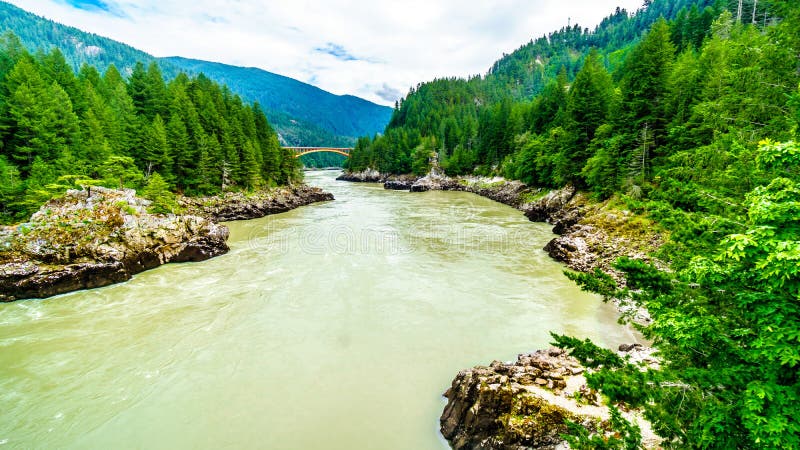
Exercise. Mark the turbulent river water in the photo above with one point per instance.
(334, 326)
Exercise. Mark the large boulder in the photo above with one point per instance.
(525, 404)
(400, 182)
(364, 176)
(544, 208)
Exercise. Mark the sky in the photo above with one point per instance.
(373, 49)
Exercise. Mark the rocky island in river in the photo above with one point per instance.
(95, 237)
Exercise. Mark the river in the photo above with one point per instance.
(333, 326)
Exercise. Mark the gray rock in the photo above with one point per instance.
(398, 185)
(238, 206)
(365, 176)
(482, 401)
(628, 347)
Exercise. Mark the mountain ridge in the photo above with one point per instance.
(330, 111)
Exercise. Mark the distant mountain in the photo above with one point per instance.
(301, 113)
(343, 115)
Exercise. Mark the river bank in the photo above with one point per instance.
(90, 239)
(368, 305)
(524, 404)
(591, 234)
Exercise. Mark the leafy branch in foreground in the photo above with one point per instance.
(727, 329)
(627, 437)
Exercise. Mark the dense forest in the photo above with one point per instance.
(303, 115)
(61, 130)
(323, 160)
(685, 112)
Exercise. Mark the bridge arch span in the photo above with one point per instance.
(300, 151)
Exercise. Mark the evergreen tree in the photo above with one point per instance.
(157, 191)
(11, 188)
(121, 172)
(40, 121)
(546, 107)
(124, 128)
(645, 83)
(209, 167)
(54, 68)
(155, 153)
(94, 148)
(183, 156)
(587, 109)
(137, 86)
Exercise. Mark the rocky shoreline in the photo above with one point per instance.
(590, 234)
(524, 404)
(239, 206)
(392, 182)
(90, 239)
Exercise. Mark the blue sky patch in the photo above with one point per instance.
(337, 51)
(95, 6)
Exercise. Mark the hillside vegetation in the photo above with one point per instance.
(60, 130)
(686, 112)
(302, 114)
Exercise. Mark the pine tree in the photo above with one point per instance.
(137, 86)
(155, 155)
(587, 109)
(124, 128)
(40, 121)
(95, 148)
(250, 166)
(210, 165)
(184, 157)
(54, 68)
(157, 191)
(90, 76)
(645, 83)
(548, 107)
(121, 172)
(11, 188)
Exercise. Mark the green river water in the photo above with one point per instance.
(334, 326)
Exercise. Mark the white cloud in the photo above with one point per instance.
(389, 45)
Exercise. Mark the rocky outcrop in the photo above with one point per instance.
(398, 185)
(402, 182)
(591, 234)
(245, 206)
(509, 193)
(365, 176)
(85, 241)
(497, 189)
(524, 404)
(550, 206)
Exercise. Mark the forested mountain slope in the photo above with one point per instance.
(344, 115)
(301, 113)
(60, 130)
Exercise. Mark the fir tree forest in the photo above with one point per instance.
(63, 130)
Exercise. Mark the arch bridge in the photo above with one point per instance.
(300, 151)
